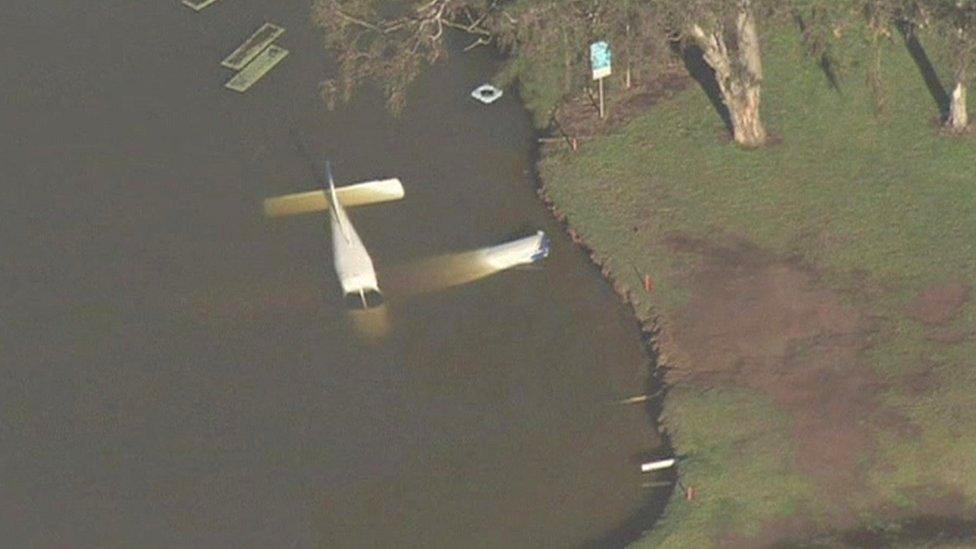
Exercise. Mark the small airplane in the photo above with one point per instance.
(353, 265)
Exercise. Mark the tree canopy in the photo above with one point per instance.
(389, 43)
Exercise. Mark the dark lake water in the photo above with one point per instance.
(178, 370)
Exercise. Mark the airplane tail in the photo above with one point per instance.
(359, 194)
(338, 213)
(332, 192)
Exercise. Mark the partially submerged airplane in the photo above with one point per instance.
(352, 262)
(523, 251)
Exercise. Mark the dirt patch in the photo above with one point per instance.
(948, 336)
(939, 303)
(579, 117)
(763, 322)
(796, 527)
(919, 383)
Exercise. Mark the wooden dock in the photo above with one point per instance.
(253, 71)
(253, 46)
(197, 5)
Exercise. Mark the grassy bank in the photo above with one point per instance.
(862, 223)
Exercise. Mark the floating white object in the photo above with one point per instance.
(655, 465)
(523, 251)
(486, 93)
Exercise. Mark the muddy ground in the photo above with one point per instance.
(764, 322)
(579, 116)
(768, 326)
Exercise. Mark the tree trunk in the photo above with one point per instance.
(958, 114)
(739, 74)
(627, 73)
(567, 65)
(747, 127)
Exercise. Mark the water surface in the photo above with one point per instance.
(178, 370)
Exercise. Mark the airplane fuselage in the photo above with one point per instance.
(352, 262)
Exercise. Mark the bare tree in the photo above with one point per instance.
(389, 43)
(726, 31)
(822, 24)
(825, 21)
(881, 17)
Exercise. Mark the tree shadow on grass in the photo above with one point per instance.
(921, 59)
(824, 60)
(694, 60)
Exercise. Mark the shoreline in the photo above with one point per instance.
(645, 519)
(778, 345)
(899, 527)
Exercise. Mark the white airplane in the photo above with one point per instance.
(352, 262)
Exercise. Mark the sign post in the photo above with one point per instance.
(600, 62)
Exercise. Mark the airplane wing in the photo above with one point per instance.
(523, 251)
(449, 270)
(370, 192)
(359, 194)
(294, 204)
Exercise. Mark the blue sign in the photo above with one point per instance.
(600, 59)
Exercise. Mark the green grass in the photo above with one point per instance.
(740, 463)
(883, 204)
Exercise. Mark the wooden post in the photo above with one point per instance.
(648, 283)
(627, 71)
(602, 111)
